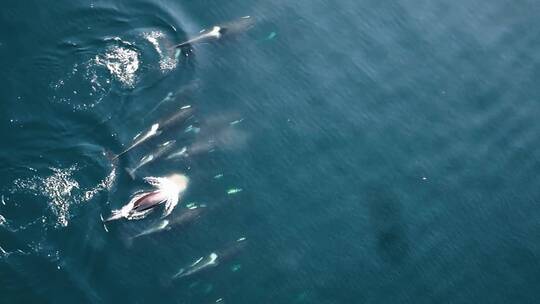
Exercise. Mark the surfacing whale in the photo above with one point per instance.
(218, 31)
(158, 128)
(168, 191)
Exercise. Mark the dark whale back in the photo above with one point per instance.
(148, 201)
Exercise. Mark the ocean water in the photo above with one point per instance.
(368, 151)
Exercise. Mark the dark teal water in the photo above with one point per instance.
(386, 152)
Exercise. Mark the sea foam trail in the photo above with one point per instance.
(61, 191)
(168, 57)
(122, 62)
(92, 76)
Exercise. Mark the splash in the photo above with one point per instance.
(84, 86)
(167, 192)
(4, 222)
(57, 188)
(61, 191)
(105, 184)
(122, 62)
(91, 78)
(168, 60)
(153, 37)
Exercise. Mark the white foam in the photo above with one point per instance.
(57, 188)
(152, 37)
(171, 187)
(168, 63)
(105, 184)
(168, 189)
(168, 59)
(122, 63)
(3, 221)
(61, 191)
(88, 76)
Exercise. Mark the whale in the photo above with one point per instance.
(212, 260)
(168, 190)
(210, 136)
(158, 153)
(219, 31)
(182, 93)
(185, 218)
(177, 118)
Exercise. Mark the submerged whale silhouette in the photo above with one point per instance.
(212, 260)
(158, 128)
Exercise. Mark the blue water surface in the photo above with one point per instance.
(368, 151)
